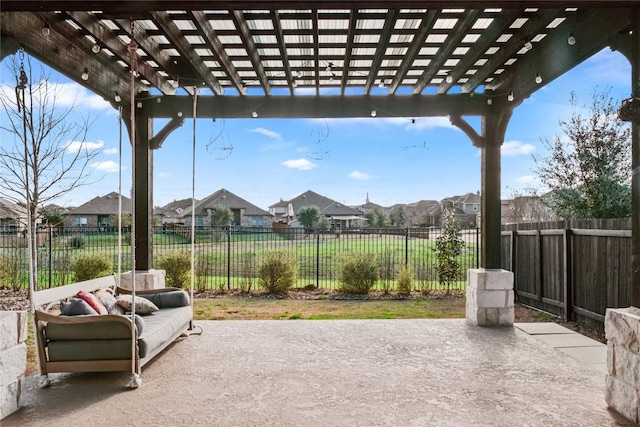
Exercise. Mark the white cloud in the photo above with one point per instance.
(108, 166)
(110, 151)
(267, 132)
(75, 146)
(300, 164)
(362, 176)
(73, 95)
(516, 148)
(164, 174)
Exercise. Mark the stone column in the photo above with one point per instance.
(622, 389)
(145, 280)
(13, 359)
(490, 297)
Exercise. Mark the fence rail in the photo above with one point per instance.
(228, 257)
(571, 269)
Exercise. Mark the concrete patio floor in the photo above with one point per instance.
(344, 373)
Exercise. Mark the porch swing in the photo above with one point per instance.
(113, 342)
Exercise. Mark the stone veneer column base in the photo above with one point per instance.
(145, 279)
(622, 386)
(490, 297)
(13, 360)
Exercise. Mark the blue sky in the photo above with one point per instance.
(391, 160)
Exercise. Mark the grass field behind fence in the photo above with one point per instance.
(228, 259)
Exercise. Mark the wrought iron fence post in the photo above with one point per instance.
(477, 247)
(317, 258)
(50, 255)
(406, 246)
(229, 258)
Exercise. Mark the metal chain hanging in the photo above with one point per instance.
(133, 56)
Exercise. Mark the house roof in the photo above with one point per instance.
(327, 206)
(472, 198)
(225, 198)
(103, 205)
(176, 208)
(10, 210)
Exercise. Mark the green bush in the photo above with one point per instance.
(177, 266)
(278, 271)
(358, 272)
(10, 271)
(405, 279)
(91, 266)
(75, 242)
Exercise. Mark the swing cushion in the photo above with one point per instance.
(142, 305)
(177, 298)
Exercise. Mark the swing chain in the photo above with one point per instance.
(21, 84)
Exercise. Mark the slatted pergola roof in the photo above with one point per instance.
(503, 50)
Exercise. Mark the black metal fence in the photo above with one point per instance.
(227, 258)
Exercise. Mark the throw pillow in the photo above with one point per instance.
(143, 306)
(93, 302)
(76, 307)
(109, 301)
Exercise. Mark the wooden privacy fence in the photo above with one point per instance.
(576, 269)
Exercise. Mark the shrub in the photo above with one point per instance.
(203, 269)
(75, 242)
(177, 266)
(405, 279)
(358, 272)
(10, 271)
(387, 266)
(448, 248)
(278, 271)
(248, 273)
(91, 266)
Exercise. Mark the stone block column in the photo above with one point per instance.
(145, 280)
(622, 388)
(13, 359)
(490, 297)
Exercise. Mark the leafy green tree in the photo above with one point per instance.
(448, 248)
(220, 216)
(398, 216)
(309, 216)
(377, 218)
(52, 217)
(588, 172)
(323, 223)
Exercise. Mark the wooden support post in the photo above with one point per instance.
(494, 127)
(143, 186)
(568, 276)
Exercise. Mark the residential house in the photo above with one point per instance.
(173, 212)
(369, 206)
(523, 209)
(466, 208)
(100, 211)
(243, 213)
(13, 217)
(424, 213)
(339, 215)
(279, 210)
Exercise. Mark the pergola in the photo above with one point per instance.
(325, 59)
